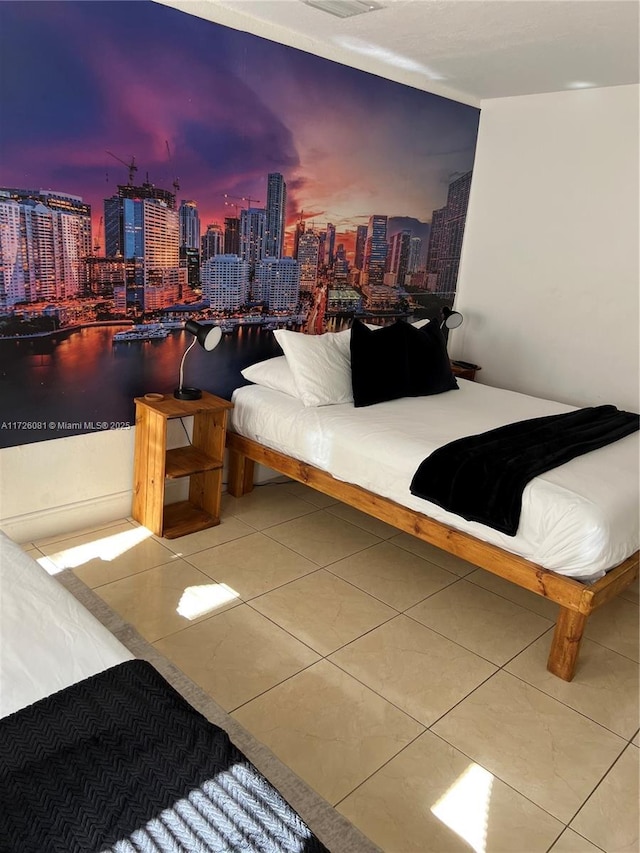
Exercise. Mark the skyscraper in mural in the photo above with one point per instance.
(308, 255)
(329, 244)
(415, 250)
(189, 225)
(253, 223)
(275, 215)
(212, 242)
(277, 282)
(445, 242)
(45, 239)
(299, 231)
(231, 235)
(189, 243)
(361, 242)
(142, 226)
(225, 282)
(375, 252)
(341, 265)
(398, 258)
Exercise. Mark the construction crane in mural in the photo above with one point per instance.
(130, 166)
(243, 198)
(176, 183)
(236, 206)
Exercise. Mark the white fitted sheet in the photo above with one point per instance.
(48, 640)
(578, 519)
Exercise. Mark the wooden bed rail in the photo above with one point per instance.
(575, 599)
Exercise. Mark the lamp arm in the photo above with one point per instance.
(192, 344)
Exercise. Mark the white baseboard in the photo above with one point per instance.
(56, 521)
(66, 519)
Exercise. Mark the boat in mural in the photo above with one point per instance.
(144, 332)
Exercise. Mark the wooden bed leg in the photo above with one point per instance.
(565, 646)
(240, 474)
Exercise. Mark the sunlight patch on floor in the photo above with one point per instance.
(201, 599)
(464, 808)
(107, 548)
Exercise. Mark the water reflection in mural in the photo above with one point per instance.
(87, 383)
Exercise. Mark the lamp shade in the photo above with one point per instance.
(452, 319)
(208, 337)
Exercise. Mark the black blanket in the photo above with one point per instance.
(482, 477)
(122, 757)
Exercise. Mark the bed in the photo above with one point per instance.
(577, 542)
(99, 753)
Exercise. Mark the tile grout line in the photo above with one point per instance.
(599, 782)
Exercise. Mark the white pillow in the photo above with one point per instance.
(273, 373)
(320, 364)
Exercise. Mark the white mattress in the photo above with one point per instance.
(48, 640)
(579, 519)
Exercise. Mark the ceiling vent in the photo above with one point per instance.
(344, 8)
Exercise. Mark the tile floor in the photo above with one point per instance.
(408, 688)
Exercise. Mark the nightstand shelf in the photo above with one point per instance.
(183, 517)
(184, 461)
(201, 462)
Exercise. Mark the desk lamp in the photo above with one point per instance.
(451, 319)
(208, 337)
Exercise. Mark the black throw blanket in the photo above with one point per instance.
(482, 477)
(121, 762)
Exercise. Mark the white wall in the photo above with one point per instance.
(549, 274)
(69, 483)
(65, 484)
(60, 486)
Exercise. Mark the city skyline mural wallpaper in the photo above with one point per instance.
(156, 168)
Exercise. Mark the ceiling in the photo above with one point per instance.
(468, 50)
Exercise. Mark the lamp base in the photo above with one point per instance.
(187, 393)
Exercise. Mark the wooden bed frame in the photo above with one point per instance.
(576, 600)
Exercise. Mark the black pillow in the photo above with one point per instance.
(398, 361)
(429, 360)
(379, 363)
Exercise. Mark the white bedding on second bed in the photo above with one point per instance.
(48, 640)
(578, 519)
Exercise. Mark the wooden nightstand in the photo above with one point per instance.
(201, 461)
(464, 370)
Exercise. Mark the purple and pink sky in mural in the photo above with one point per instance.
(217, 110)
